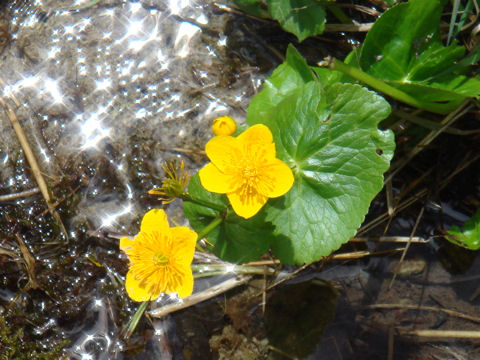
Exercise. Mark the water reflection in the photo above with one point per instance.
(104, 92)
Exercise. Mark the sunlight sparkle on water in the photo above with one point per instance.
(186, 32)
(135, 6)
(130, 192)
(102, 85)
(111, 218)
(175, 6)
(29, 81)
(53, 52)
(52, 87)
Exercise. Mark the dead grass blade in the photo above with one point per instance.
(32, 161)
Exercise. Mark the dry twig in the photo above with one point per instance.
(441, 334)
(200, 296)
(425, 308)
(397, 268)
(32, 161)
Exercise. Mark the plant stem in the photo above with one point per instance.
(205, 270)
(136, 319)
(387, 89)
(188, 197)
(206, 230)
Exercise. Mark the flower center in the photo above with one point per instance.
(250, 179)
(249, 172)
(159, 259)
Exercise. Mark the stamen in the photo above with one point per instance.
(159, 259)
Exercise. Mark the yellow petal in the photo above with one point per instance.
(186, 288)
(126, 243)
(224, 152)
(136, 291)
(246, 206)
(183, 247)
(256, 134)
(276, 179)
(215, 181)
(155, 219)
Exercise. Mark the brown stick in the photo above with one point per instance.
(32, 161)
(19, 195)
(7, 252)
(397, 239)
(348, 27)
(426, 308)
(200, 296)
(442, 334)
(362, 254)
(404, 253)
(391, 341)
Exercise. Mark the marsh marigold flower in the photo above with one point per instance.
(160, 258)
(246, 169)
(224, 125)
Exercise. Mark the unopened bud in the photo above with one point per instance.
(224, 125)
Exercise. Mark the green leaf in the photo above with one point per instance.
(469, 236)
(303, 18)
(236, 239)
(404, 49)
(399, 35)
(253, 7)
(330, 138)
(285, 79)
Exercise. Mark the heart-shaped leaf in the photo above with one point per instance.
(330, 138)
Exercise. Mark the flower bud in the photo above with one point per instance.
(224, 125)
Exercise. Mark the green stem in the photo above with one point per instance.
(188, 197)
(136, 319)
(206, 230)
(387, 89)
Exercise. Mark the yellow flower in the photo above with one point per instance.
(224, 125)
(160, 258)
(246, 169)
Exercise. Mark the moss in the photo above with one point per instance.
(14, 347)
